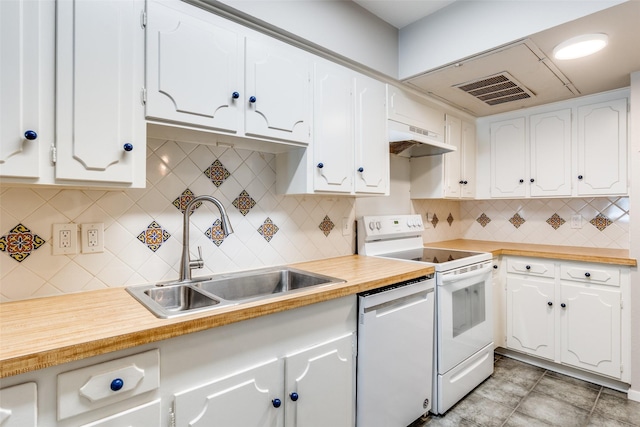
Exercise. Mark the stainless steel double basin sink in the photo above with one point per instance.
(172, 299)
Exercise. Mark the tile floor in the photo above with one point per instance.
(519, 394)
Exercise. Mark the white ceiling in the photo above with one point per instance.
(401, 13)
(607, 70)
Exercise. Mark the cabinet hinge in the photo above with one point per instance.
(54, 154)
(143, 19)
(143, 96)
(621, 368)
(172, 415)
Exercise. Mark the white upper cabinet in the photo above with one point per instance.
(451, 175)
(576, 151)
(371, 141)
(350, 150)
(508, 158)
(205, 72)
(602, 148)
(100, 128)
(194, 68)
(26, 84)
(333, 128)
(550, 151)
(278, 91)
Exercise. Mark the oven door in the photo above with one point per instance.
(464, 317)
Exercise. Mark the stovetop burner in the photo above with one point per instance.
(432, 255)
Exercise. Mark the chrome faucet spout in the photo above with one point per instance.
(187, 264)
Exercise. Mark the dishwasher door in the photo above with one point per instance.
(395, 354)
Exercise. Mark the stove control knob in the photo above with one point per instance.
(371, 225)
(410, 222)
(378, 225)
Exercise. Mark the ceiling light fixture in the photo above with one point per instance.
(577, 47)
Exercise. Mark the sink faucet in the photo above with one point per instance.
(187, 264)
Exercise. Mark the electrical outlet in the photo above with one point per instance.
(92, 238)
(65, 239)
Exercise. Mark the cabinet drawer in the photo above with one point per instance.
(106, 383)
(591, 273)
(18, 406)
(530, 266)
(140, 416)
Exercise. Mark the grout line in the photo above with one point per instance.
(524, 397)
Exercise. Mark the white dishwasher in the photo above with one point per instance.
(395, 353)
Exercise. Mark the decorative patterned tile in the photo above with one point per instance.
(483, 220)
(268, 229)
(600, 222)
(450, 219)
(154, 236)
(555, 221)
(326, 225)
(182, 201)
(434, 220)
(244, 203)
(20, 242)
(215, 233)
(517, 220)
(217, 173)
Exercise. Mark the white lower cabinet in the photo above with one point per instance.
(19, 405)
(295, 390)
(570, 313)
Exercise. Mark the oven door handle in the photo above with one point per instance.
(456, 277)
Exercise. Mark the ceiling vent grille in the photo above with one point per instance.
(496, 89)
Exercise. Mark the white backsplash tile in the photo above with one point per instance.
(171, 169)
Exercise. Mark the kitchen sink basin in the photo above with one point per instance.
(168, 301)
(174, 298)
(261, 283)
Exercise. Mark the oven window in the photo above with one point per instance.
(468, 308)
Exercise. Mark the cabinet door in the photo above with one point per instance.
(591, 328)
(530, 316)
(508, 158)
(244, 399)
(323, 377)
(24, 67)
(18, 406)
(100, 67)
(193, 68)
(140, 416)
(602, 148)
(468, 160)
(550, 151)
(278, 91)
(371, 140)
(333, 128)
(452, 161)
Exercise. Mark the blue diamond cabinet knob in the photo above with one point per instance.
(30, 135)
(276, 403)
(360, 169)
(320, 165)
(235, 95)
(252, 99)
(128, 146)
(117, 384)
(294, 396)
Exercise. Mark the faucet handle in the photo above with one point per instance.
(198, 262)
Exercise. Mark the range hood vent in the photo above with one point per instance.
(411, 141)
(496, 89)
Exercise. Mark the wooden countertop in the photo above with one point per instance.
(44, 332)
(570, 253)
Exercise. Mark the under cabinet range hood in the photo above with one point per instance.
(410, 141)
